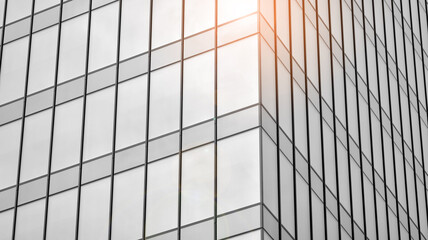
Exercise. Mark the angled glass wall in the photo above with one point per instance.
(213, 119)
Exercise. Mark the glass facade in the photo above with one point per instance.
(213, 119)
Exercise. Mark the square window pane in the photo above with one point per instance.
(199, 16)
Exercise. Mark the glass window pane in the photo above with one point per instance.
(62, 216)
(67, 134)
(43, 4)
(198, 184)
(199, 15)
(198, 88)
(166, 22)
(94, 210)
(18, 9)
(102, 51)
(162, 195)
(238, 171)
(35, 151)
(135, 27)
(131, 112)
(29, 221)
(6, 224)
(72, 56)
(99, 123)
(237, 75)
(43, 59)
(232, 9)
(13, 69)
(128, 204)
(10, 137)
(164, 100)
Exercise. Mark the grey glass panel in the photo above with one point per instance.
(198, 96)
(6, 224)
(238, 222)
(135, 28)
(18, 9)
(43, 59)
(164, 100)
(13, 69)
(10, 136)
(166, 22)
(128, 204)
(67, 134)
(99, 123)
(162, 195)
(197, 197)
(232, 9)
(29, 221)
(61, 222)
(131, 112)
(94, 210)
(35, 151)
(199, 15)
(238, 171)
(103, 43)
(237, 75)
(72, 56)
(43, 4)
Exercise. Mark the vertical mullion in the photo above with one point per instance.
(180, 147)
(293, 134)
(419, 115)
(305, 69)
(3, 32)
(410, 119)
(401, 113)
(53, 121)
(278, 153)
(380, 126)
(391, 129)
(21, 144)
(357, 94)
(426, 105)
(370, 115)
(320, 99)
(82, 136)
(146, 153)
(345, 91)
(215, 117)
(116, 97)
(334, 122)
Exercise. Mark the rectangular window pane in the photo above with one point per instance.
(237, 75)
(162, 195)
(238, 171)
(166, 22)
(10, 138)
(61, 222)
(29, 221)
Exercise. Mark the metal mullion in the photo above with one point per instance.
(381, 128)
(278, 154)
(321, 124)
(52, 122)
(3, 33)
(401, 117)
(426, 105)
(370, 116)
(305, 69)
(410, 119)
(391, 129)
(345, 89)
(146, 153)
(82, 137)
(21, 144)
(180, 143)
(336, 162)
(419, 116)
(357, 94)
(293, 134)
(116, 97)
(215, 117)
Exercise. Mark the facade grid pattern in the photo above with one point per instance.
(213, 119)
